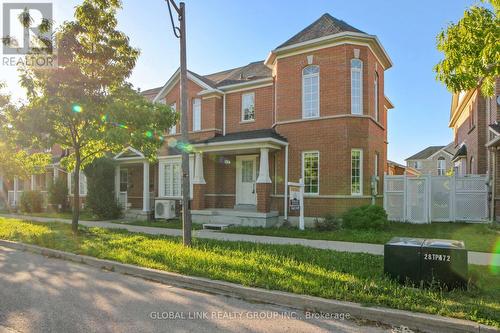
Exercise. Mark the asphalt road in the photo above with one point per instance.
(39, 294)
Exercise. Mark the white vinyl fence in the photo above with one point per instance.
(423, 199)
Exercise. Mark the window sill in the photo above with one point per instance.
(308, 118)
(247, 121)
(471, 129)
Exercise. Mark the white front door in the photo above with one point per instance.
(246, 175)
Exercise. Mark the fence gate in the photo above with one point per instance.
(428, 198)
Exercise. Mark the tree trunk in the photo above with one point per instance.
(76, 197)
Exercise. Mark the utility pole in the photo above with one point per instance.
(180, 32)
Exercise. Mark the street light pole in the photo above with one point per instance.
(180, 32)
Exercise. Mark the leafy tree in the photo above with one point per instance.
(85, 104)
(471, 50)
(14, 161)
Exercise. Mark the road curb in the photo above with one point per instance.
(393, 317)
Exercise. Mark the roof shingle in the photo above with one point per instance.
(324, 26)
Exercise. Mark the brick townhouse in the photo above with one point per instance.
(314, 109)
(475, 123)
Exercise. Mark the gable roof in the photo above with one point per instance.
(427, 152)
(254, 71)
(324, 26)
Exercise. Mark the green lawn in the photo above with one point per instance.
(297, 269)
(171, 224)
(84, 216)
(477, 237)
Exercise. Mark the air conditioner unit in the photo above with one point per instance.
(164, 209)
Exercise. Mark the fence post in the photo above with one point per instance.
(429, 200)
(385, 191)
(405, 187)
(453, 190)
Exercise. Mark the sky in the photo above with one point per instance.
(223, 34)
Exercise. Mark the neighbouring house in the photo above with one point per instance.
(475, 123)
(314, 109)
(396, 169)
(433, 160)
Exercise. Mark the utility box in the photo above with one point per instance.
(444, 261)
(402, 258)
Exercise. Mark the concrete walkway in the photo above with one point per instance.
(475, 258)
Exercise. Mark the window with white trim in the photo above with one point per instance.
(356, 86)
(248, 107)
(310, 92)
(170, 177)
(375, 97)
(173, 129)
(123, 180)
(441, 166)
(197, 114)
(310, 172)
(83, 184)
(356, 172)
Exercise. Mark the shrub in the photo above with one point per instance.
(101, 200)
(31, 202)
(365, 217)
(327, 223)
(58, 194)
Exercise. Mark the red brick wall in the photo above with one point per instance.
(263, 110)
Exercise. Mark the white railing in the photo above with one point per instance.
(123, 200)
(15, 201)
(423, 199)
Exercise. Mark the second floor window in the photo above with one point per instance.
(310, 92)
(248, 107)
(196, 114)
(173, 129)
(375, 93)
(441, 170)
(356, 86)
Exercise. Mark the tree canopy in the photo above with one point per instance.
(471, 50)
(85, 104)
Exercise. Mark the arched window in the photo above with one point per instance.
(310, 92)
(356, 86)
(441, 166)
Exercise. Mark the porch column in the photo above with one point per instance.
(145, 187)
(198, 183)
(263, 183)
(16, 186)
(33, 182)
(117, 182)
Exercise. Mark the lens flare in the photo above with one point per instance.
(104, 118)
(76, 108)
(149, 134)
(495, 258)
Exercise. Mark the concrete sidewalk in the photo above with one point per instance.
(475, 258)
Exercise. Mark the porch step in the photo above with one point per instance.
(215, 226)
(246, 208)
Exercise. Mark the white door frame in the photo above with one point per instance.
(239, 199)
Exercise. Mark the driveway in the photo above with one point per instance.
(39, 294)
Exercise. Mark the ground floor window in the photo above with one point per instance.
(123, 180)
(441, 169)
(310, 172)
(170, 171)
(356, 172)
(83, 184)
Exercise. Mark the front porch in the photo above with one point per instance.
(134, 184)
(232, 182)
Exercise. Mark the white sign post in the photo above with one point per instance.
(297, 200)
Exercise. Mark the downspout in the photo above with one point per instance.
(224, 114)
(285, 193)
(493, 184)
